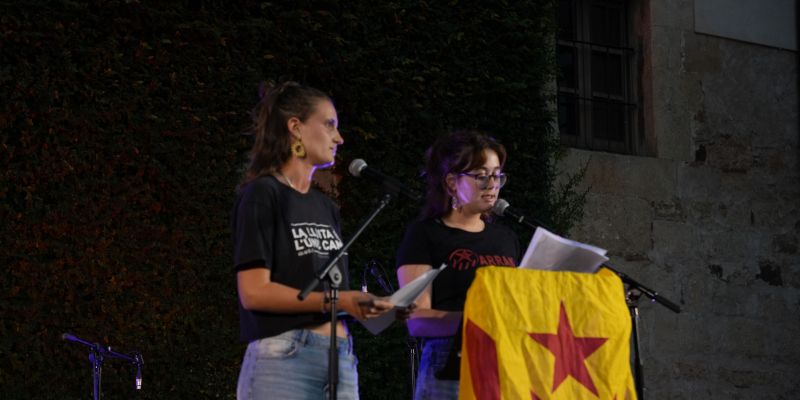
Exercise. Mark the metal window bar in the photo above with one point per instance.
(597, 113)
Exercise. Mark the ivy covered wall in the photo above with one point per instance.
(121, 145)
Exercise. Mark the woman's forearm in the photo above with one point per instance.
(434, 323)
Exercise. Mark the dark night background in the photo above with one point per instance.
(121, 145)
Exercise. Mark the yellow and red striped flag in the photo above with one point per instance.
(532, 334)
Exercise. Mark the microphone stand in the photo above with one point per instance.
(332, 275)
(413, 359)
(632, 299)
(635, 290)
(411, 341)
(98, 354)
(652, 294)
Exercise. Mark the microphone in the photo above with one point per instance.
(69, 336)
(378, 275)
(72, 338)
(364, 280)
(359, 167)
(139, 362)
(503, 209)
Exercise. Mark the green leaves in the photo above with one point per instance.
(121, 145)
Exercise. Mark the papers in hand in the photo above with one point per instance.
(401, 299)
(552, 252)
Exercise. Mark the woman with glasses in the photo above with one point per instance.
(464, 174)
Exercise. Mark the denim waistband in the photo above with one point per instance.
(309, 338)
(438, 342)
(444, 339)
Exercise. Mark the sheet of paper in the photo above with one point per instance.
(402, 298)
(552, 252)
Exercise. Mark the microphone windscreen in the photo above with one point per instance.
(356, 166)
(500, 207)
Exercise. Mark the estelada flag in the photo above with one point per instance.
(532, 334)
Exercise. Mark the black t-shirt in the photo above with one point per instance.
(432, 242)
(291, 233)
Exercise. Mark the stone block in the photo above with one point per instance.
(674, 238)
(701, 212)
(791, 276)
(727, 243)
(720, 215)
(662, 370)
(706, 376)
(664, 331)
(751, 380)
(692, 370)
(753, 301)
(703, 54)
(669, 210)
(643, 177)
(775, 164)
(754, 96)
(730, 154)
(696, 289)
(785, 243)
(672, 121)
(754, 338)
(698, 183)
(675, 14)
(737, 214)
(667, 51)
(667, 278)
(702, 183)
(777, 214)
(618, 224)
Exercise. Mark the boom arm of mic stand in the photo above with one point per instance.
(99, 354)
(653, 295)
(105, 351)
(324, 271)
(523, 220)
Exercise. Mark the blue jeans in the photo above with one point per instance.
(434, 356)
(294, 365)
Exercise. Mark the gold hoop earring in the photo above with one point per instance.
(298, 149)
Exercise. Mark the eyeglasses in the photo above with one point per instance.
(483, 180)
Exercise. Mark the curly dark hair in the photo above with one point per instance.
(460, 151)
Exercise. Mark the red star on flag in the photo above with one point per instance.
(570, 352)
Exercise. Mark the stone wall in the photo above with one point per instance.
(712, 221)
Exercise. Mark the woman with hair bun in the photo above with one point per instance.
(284, 231)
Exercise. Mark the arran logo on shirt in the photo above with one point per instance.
(315, 238)
(464, 259)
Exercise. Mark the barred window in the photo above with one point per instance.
(596, 106)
